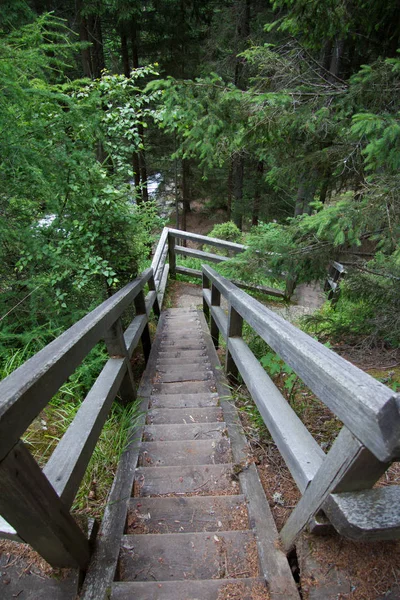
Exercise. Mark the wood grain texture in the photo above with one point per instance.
(30, 504)
(366, 406)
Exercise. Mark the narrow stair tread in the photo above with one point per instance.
(184, 431)
(184, 514)
(184, 387)
(177, 353)
(194, 479)
(208, 415)
(180, 400)
(183, 374)
(185, 452)
(166, 364)
(205, 589)
(172, 556)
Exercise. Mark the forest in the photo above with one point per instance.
(281, 115)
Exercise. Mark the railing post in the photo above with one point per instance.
(171, 256)
(235, 326)
(206, 286)
(215, 301)
(140, 306)
(152, 288)
(116, 347)
(31, 505)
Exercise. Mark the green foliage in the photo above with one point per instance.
(227, 231)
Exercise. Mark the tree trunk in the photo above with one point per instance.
(257, 194)
(230, 192)
(97, 51)
(237, 185)
(305, 195)
(84, 37)
(336, 59)
(143, 166)
(134, 44)
(125, 53)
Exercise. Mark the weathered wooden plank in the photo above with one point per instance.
(106, 550)
(28, 389)
(183, 374)
(184, 400)
(162, 285)
(370, 515)
(134, 332)
(184, 431)
(204, 589)
(140, 307)
(348, 466)
(116, 346)
(166, 364)
(205, 479)
(234, 329)
(179, 514)
(180, 554)
(208, 256)
(221, 320)
(188, 272)
(69, 460)
(196, 237)
(215, 302)
(184, 453)
(185, 387)
(300, 451)
(206, 296)
(210, 414)
(171, 256)
(366, 406)
(30, 504)
(273, 563)
(162, 243)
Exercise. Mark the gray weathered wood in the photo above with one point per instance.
(184, 431)
(207, 479)
(182, 514)
(207, 256)
(162, 285)
(348, 466)
(370, 515)
(210, 414)
(234, 329)
(185, 452)
(116, 346)
(162, 242)
(273, 563)
(30, 504)
(215, 301)
(300, 451)
(153, 290)
(171, 256)
(202, 589)
(104, 559)
(29, 388)
(180, 554)
(196, 237)
(68, 463)
(366, 406)
(140, 307)
(134, 332)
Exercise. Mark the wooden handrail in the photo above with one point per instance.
(366, 445)
(36, 503)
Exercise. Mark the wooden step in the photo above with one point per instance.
(173, 556)
(176, 353)
(184, 400)
(184, 415)
(185, 431)
(199, 479)
(190, 387)
(187, 514)
(168, 363)
(187, 452)
(183, 374)
(206, 589)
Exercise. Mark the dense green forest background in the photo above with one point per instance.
(282, 114)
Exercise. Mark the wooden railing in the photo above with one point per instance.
(340, 482)
(176, 235)
(336, 273)
(34, 503)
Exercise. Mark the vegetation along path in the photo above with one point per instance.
(193, 525)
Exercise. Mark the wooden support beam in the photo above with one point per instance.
(206, 289)
(215, 301)
(217, 258)
(116, 347)
(140, 306)
(171, 256)
(31, 505)
(234, 329)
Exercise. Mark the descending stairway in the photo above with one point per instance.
(192, 530)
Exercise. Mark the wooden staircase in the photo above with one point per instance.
(191, 529)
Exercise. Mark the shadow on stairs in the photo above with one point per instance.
(197, 525)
